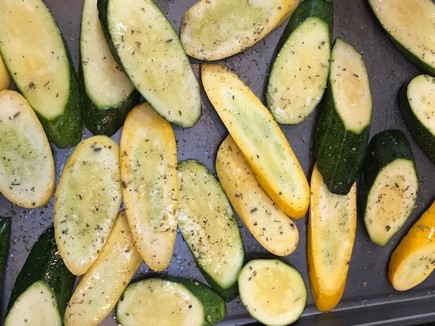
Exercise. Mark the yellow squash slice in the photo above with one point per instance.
(261, 141)
(86, 202)
(216, 29)
(150, 184)
(331, 237)
(267, 223)
(5, 78)
(102, 285)
(26, 164)
(413, 259)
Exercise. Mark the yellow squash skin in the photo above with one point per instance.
(150, 184)
(102, 285)
(216, 29)
(268, 224)
(413, 259)
(5, 78)
(331, 236)
(260, 139)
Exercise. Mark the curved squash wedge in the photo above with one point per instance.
(216, 29)
(412, 260)
(103, 284)
(27, 165)
(86, 202)
(331, 236)
(5, 78)
(150, 184)
(261, 141)
(269, 225)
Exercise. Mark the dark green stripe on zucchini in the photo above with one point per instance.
(417, 102)
(343, 129)
(5, 231)
(45, 264)
(215, 308)
(390, 185)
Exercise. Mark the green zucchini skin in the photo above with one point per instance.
(384, 147)
(65, 131)
(339, 175)
(105, 121)
(420, 133)
(322, 9)
(214, 305)
(44, 263)
(5, 231)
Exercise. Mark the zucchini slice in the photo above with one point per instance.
(300, 70)
(216, 29)
(27, 175)
(343, 129)
(103, 284)
(108, 94)
(411, 26)
(43, 269)
(87, 201)
(412, 260)
(5, 78)
(261, 141)
(273, 292)
(150, 184)
(157, 301)
(38, 61)
(153, 58)
(391, 185)
(275, 231)
(417, 104)
(207, 223)
(35, 306)
(330, 240)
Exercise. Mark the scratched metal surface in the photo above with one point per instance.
(368, 298)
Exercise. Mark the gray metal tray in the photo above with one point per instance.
(368, 298)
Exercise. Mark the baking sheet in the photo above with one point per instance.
(368, 298)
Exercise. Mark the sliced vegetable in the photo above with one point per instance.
(417, 104)
(208, 226)
(87, 201)
(38, 61)
(273, 292)
(343, 129)
(411, 26)
(300, 70)
(103, 284)
(5, 231)
(150, 184)
(153, 58)
(35, 306)
(156, 301)
(391, 184)
(43, 286)
(330, 240)
(27, 176)
(259, 138)
(269, 225)
(108, 94)
(5, 78)
(213, 30)
(413, 259)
